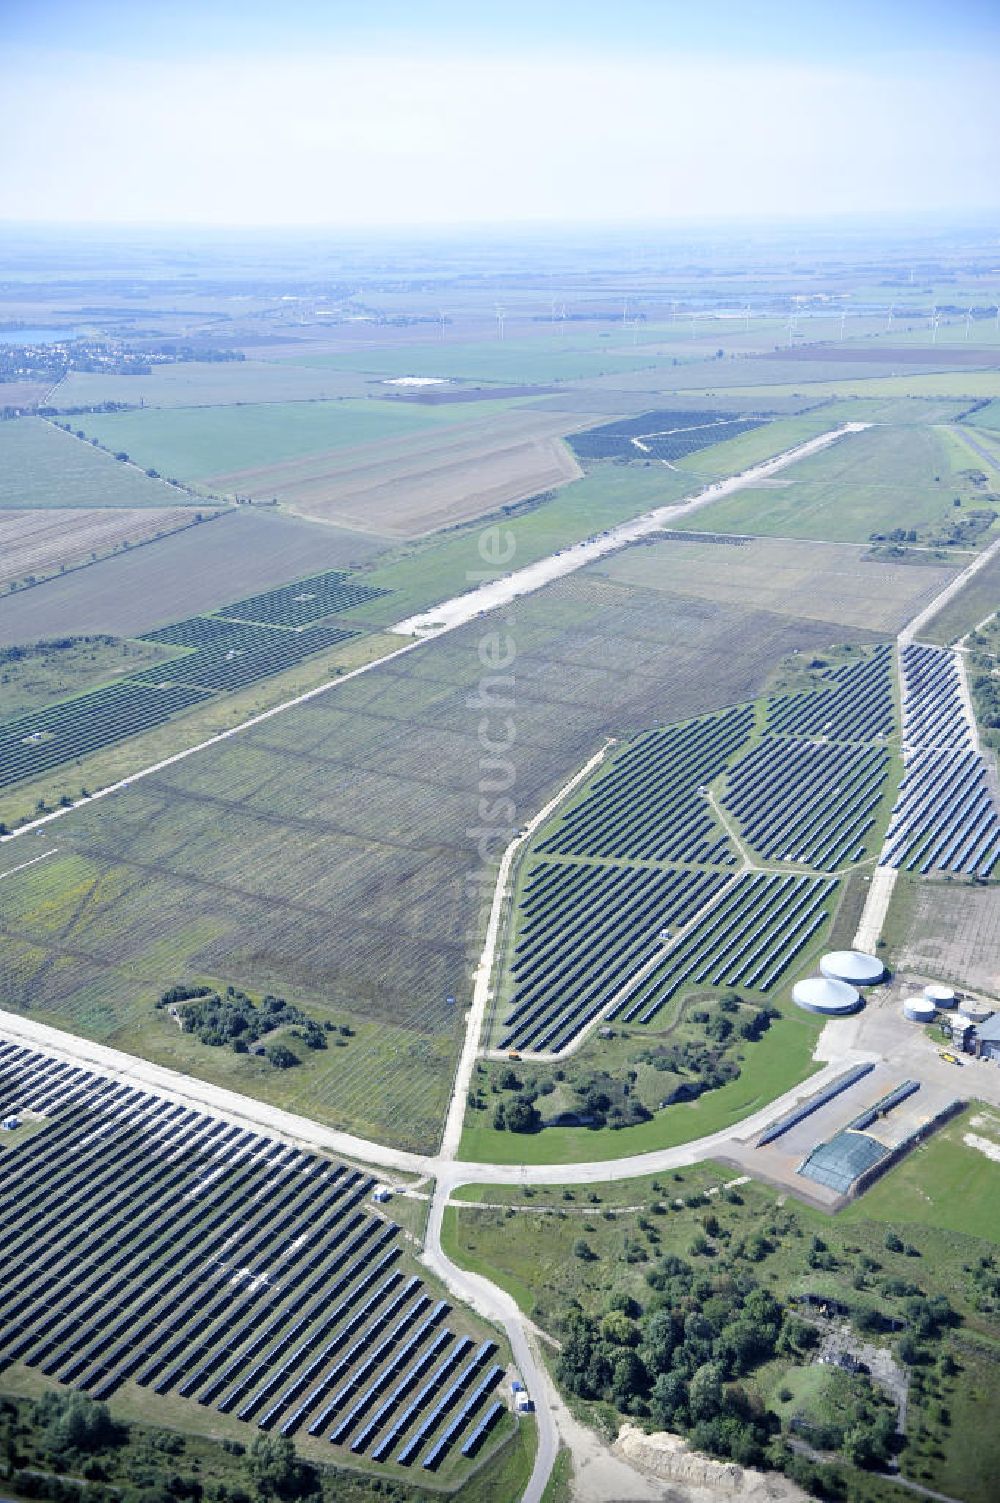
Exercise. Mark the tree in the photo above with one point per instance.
(272, 1465)
(522, 1116)
(582, 1249)
(280, 1056)
(73, 1422)
(668, 1400)
(705, 1392)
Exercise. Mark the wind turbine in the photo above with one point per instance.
(935, 320)
(843, 322)
(625, 311)
(500, 319)
(746, 317)
(892, 309)
(442, 320)
(968, 321)
(997, 310)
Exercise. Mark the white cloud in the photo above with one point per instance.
(367, 139)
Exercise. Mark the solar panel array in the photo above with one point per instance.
(142, 1240)
(646, 805)
(268, 634)
(933, 707)
(945, 818)
(585, 931)
(45, 739)
(228, 662)
(667, 435)
(858, 705)
(807, 802)
(749, 938)
(304, 600)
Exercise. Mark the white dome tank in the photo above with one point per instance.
(853, 966)
(919, 1010)
(824, 994)
(941, 996)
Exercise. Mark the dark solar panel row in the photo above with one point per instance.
(645, 805)
(934, 707)
(145, 1240)
(574, 969)
(748, 938)
(858, 706)
(807, 803)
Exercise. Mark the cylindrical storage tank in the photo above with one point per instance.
(852, 966)
(824, 995)
(941, 996)
(960, 1022)
(919, 1010)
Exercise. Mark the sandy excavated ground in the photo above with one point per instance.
(693, 1478)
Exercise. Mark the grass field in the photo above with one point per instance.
(987, 417)
(198, 444)
(966, 386)
(323, 856)
(940, 1203)
(873, 481)
(45, 674)
(781, 1060)
(837, 584)
(42, 466)
(191, 571)
(973, 603)
(751, 448)
(37, 544)
(540, 360)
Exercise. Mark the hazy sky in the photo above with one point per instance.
(419, 113)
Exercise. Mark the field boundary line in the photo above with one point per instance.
(25, 864)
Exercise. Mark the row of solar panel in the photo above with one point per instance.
(145, 1240)
(574, 961)
(748, 938)
(859, 705)
(807, 803)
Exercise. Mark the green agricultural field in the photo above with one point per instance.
(901, 410)
(866, 483)
(42, 466)
(537, 361)
(212, 384)
(973, 603)
(197, 443)
(967, 386)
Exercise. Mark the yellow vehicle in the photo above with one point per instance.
(950, 1059)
